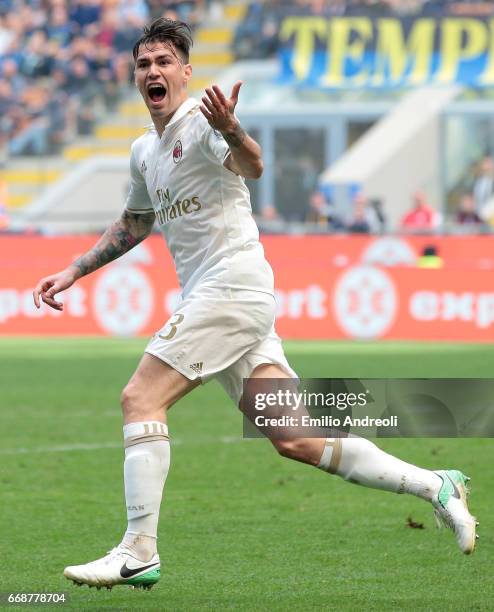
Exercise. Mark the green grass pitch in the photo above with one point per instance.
(241, 528)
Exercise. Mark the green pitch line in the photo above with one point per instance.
(381, 347)
(83, 344)
(310, 359)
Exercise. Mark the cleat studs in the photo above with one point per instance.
(477, 536)
(477, 523)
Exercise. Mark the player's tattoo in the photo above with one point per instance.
(123, 235)
(236, 137)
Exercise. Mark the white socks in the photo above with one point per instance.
(147, 460)
(360, 461)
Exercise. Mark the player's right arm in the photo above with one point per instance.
(124, 234)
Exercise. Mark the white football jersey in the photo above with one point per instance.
(202, 208)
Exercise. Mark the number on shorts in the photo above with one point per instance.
(174, 322)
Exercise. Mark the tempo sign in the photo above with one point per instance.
(387, 51)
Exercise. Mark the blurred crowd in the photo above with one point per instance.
(470, 209)
(475, 202)
(257, 35)
(64, 61)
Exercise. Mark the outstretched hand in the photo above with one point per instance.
(220, 110)
(49, 286)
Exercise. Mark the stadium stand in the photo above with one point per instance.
(256, 36)
(69, 64)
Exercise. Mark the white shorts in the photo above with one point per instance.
(223, 334)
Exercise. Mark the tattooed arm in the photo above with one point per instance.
(119, 238)
(245, 156)
(124, 234)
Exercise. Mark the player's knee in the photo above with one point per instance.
(291, 449)
(140, 403)
(132, 402)
(127, 398)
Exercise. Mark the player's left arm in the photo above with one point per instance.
(245, 156)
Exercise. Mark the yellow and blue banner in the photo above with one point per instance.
(364, 51)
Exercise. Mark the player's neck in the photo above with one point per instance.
(160, 123)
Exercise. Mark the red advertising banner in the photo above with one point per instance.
(326, 287)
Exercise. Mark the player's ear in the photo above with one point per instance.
(187, 73)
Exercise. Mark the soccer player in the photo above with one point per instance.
(188, 173)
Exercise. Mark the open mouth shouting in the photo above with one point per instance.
(156, 92)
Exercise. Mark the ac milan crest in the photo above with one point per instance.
(177, 151)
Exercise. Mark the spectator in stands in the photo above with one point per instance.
(10, 73)
(257, 35)
(31, 130)
(467, 213)
(336, 8)
(85, 12)
(102, 68)
(319, 208)
(133, 10)
(466, 7)
(34, 63)
(7, 36)
(404, 7)
(369, 7)
(483, 184)
(430, 258)
(359, 223)
(269, 213)
(57, 114)
(108, 27)
(59, 28)
(7, 104)
(366, 217)
(422, 217)
(83, 87)
(129, 27)
(322, 210)
(79, 48)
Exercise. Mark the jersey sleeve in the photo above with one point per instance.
(138, 200)
(214, 145)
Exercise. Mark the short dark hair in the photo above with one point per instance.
(166, 30)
